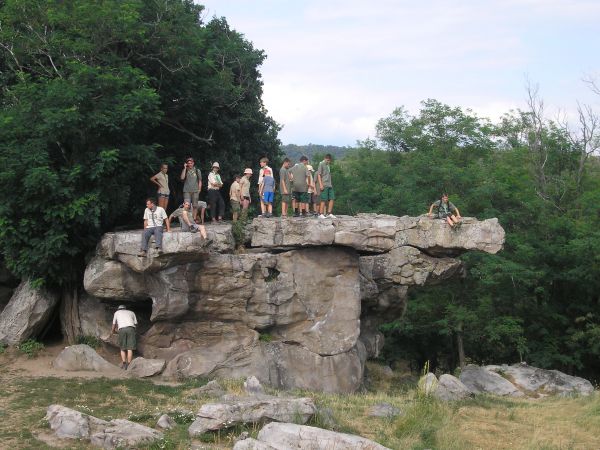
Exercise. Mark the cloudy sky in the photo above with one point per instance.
(335, 67)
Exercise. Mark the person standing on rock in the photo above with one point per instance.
(264, 164)
(245, 191)
(125, 322)
(154, 216)
(301, 176)
(445, 211)
(267, 192)
(285, 185)
(192, 184)
(235, 197)
(326, 188)
(215, 200)
(161, 179)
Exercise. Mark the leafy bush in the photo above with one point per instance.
(2, 348)
(30, 347)
(265, 337)
(92, 341)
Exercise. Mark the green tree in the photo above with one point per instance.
(93, 95)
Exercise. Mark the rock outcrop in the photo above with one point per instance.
(83, 357)
(298, 308)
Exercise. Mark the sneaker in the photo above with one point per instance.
(124, 365)
(193, 230)
(331, 216)
(321, 216)
(296, 214)
(142, 253)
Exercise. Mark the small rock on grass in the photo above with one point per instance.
(165, 422)
(384, 410)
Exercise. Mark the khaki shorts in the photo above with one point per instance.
(191, 197)
(127, 339)
(235, 205)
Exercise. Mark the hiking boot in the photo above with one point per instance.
(124, 365)
(142, 253)
(159, 250)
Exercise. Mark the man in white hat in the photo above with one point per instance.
(245, 191)
(125, 322)
(215, 200)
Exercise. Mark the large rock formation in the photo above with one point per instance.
(297, 307)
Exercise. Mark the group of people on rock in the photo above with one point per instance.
(306, 191)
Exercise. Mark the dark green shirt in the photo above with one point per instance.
(300, 172)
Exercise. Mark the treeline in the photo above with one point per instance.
(536, 301)
(313, 151)
(94, 96)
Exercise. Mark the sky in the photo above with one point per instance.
(334, 68)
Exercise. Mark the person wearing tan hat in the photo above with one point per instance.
(245, 191)
(215, 200)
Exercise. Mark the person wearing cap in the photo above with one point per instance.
(235, 197)
(267, 191)
(215, 200)
(264, 164)
(192, 184)
(125, 322)
(245, 191)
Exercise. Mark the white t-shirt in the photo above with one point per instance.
(156, 218)
(124, 318)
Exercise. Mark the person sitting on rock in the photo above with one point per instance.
(125, 322)
(154, 216)
(186, 219)
(445, 210)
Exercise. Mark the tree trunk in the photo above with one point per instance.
(460, 346)
(69, 315)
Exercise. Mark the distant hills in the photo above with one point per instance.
(294, 152)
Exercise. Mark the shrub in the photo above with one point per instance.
(2, 348)
(30, 347)
(92, 341)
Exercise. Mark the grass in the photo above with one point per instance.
(483, 422)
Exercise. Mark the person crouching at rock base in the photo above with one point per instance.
(154, 216)
(267, 191)
(245, 192)
(125, 322)
(186, 219)
(445, 210)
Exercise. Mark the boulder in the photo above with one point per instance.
(216, 416)
(68, 423)
(165, 422)
(210, 389)
(253, 387)
(541, 382)
(481, 380)
(83, 357)
(302, 437)
(383, 410)
(121, 433)
(26, 314)
(95, 319)
(428, 384)
(141, 367)
(450, 388)
(118, 433)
